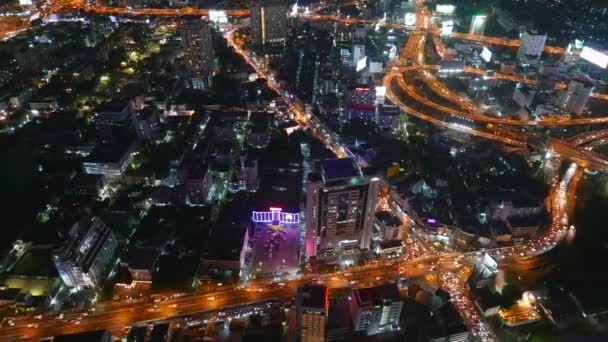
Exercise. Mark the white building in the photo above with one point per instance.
(358, 53)
(523, 95)
(531, 46)
(574, 98)
(340, 205)
(84, 258)
(478, 25)
(376, 309)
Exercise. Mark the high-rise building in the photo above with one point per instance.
(268, 22)
(83, 259)
(376, 309)
(574, 98)
(198, 52)
(478, 24)
(312, 304)
(340, 206)
(358, 53)
(531, 46)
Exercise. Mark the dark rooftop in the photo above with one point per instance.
(334, 169)
(89, 336)
(226, 242)
(525, 221)
(387, 218)
(107, 153)
(382, 292)
(111, 106)
(313, 296)
(141, 258)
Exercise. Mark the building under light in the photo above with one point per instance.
(269, 22)
(84, 257)
(340, 206)
(478, 25)
(198, 52)
(312, 304)
(376, 309)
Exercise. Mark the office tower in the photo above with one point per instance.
(574, 98)
(312, 302)
(198, 52)
(478, 24)
(531, 46)
(268, 22)
(83, 259)
(376, 309)
(358, 53)
(340, 206)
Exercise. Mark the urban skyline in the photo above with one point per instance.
(319, 171)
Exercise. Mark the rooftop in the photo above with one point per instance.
(313, 296)
(387, 218)
(111, 106)
(90, 336)
(226, 242)
(335, 169)
(382, 292)
(107, 153)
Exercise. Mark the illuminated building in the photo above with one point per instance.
(269, 22)
(574, 99)
(198, 52)
(109, 160)
(376, 309)
(312, 303)
(88, 251)
(478, 24)
(358, 53)
(340, 206)
(531, 46)
(391, 228)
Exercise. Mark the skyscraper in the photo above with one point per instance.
(478, 24)
(340, 205)
(268, 22)
(312, 303)
(574, 98)
(531, 46)
(198, 52)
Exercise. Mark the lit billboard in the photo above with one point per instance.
(445, 9)
(486, 54)
(594, 57)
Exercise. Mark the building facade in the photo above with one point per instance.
(83, 259)
(269, 22)
(531, 46)
(198, 52)
(312, 304)
(574, 98)
(376, 309)
(340, 205)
